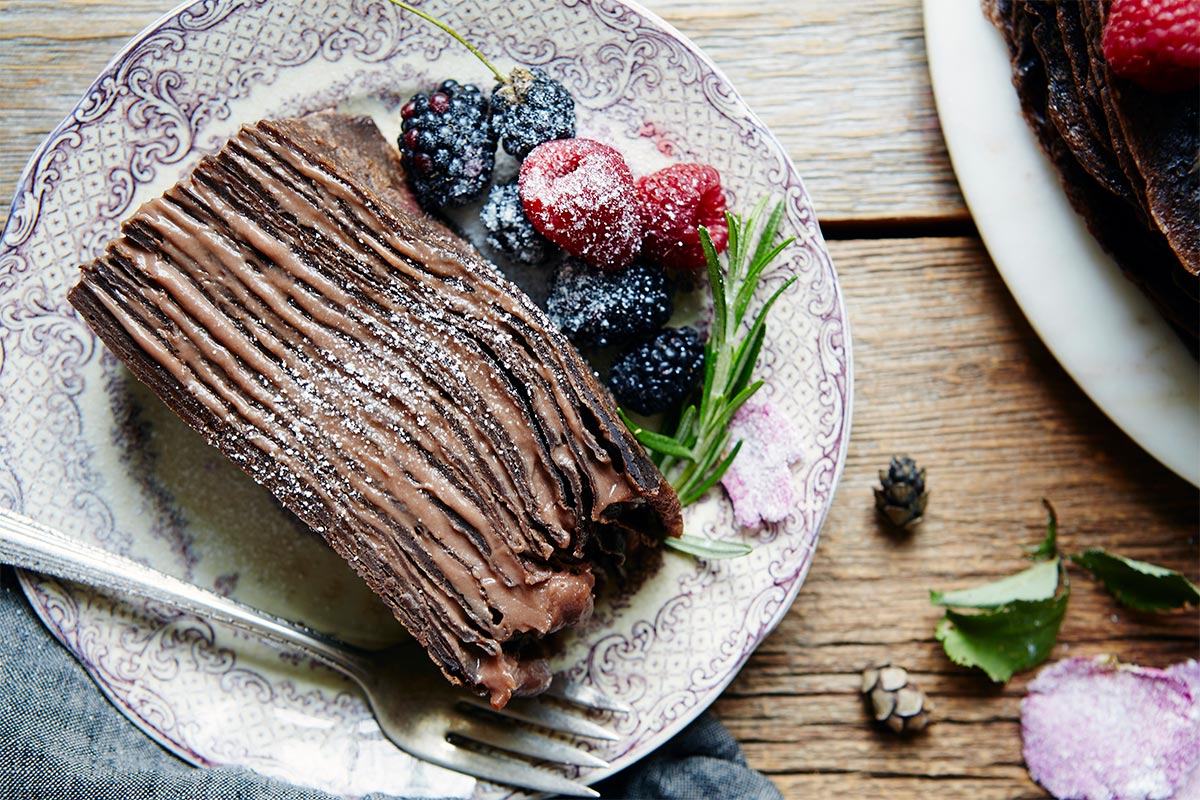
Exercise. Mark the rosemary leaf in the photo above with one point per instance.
(699, 451)
(661, 444)
(711, 479)
(707, 548)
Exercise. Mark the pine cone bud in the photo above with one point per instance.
(902, 496)
(895, 701)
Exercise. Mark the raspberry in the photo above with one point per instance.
(509, 230)
(1155, 43)
(447, 148)
(579, 194)
(657, 375)
(675, 202)
(605, 308)
(529, 109)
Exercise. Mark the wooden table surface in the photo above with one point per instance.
(946, 369)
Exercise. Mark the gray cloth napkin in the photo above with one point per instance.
(61, 740)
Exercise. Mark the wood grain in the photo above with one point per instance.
(946, 370)
(844, 87)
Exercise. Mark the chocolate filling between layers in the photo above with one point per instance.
(387, 385)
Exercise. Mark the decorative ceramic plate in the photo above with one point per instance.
(1099, 326)
(88, 450)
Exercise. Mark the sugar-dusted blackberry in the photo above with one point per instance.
(658, 374)
(528, 108)
(509, 231)
(594, 307)
(447, 146)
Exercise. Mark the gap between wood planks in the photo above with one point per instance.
(906, 228)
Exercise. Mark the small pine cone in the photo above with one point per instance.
(902, 496)
(894, 701)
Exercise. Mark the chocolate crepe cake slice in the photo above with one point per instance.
(387, 385)
(1126, 157)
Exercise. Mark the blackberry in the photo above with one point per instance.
(509, 230)
(658, 374)
(529, 108)
(594, 307)
(448, 148)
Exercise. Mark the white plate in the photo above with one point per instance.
(87, 450)
(1098, 325)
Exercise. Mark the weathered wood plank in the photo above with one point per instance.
(845, 87)
(948, 371)
(879, 785)
(50, 52)
(846, 91)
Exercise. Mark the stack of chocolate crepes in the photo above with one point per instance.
(392, 389)
(1127, 156)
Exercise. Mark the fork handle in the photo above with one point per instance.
(30, 545)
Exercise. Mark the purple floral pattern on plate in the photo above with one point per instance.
(86, 449)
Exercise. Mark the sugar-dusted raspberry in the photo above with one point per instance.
(579, 194)
(1155, 43)
(676, 201)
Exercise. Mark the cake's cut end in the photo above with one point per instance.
(290, 301)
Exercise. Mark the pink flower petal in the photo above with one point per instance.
(759, 481)
(1095, 729)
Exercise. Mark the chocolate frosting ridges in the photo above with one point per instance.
(387, 384)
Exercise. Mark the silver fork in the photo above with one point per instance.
(416, 708)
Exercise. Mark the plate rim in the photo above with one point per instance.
(1158, 348)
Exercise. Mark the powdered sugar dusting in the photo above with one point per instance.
(579, 194)
(1095, 729)
(759, 481)
(676, 202)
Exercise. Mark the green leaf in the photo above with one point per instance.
(761, 318)
(737, 402)
(1137, 584)
(682, 437)
(716, 279)
(696, 456)
(696, 472)
(735, 234)
(661, 444)
(707, 390)
(752, 277)
(746, 358)
(707, 548)
(1039, 582)
(745, 355)
(1012, 638)
(692, 495)
(770, 228)
(1049, 546)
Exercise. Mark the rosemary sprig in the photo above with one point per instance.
(700, 547)
(500, 76)
(698, 453)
